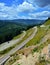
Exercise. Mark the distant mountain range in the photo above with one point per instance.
(25, 21)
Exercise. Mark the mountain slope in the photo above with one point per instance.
(34, 48)
(25, 21)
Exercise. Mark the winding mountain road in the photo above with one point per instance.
(6, 45)
(3, 59)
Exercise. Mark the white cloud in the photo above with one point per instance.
(3, 15)
(40, 15)
(43, 13)
(25, 6)
(12, 11)
(7, 12)
(2, 4)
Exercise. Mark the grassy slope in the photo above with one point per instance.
(42, 31)
(47, 22)
(18, 36)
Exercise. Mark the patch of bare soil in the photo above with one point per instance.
(29, 60)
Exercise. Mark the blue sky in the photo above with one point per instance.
(24, 9)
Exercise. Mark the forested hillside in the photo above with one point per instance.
(11, 28)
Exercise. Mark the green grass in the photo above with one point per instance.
(40, 34)
(39, 48)
(16, 37)
(6, 50)
(47, 22)
(18, 64)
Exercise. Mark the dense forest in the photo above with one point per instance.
(9, 29)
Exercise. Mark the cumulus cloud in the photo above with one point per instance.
(25, 6)
(12, 11)
(7, 12)
(40, 15)
(3, 15)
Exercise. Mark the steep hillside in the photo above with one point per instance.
(35, 52)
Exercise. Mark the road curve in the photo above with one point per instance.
(3, 59)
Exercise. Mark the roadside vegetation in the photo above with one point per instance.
(8, 30)
(40, 34)
(41, 46)
(12, 59)
(28, 33)
(18, 36)
(47, 22)
(42, 31)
